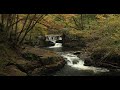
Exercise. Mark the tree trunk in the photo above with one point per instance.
(81, 19)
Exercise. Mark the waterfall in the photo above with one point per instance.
(60, 38)
(76, 62)
(51, 38)
(54, 38)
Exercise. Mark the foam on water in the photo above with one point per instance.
(80, 64)
(57, 45)
(73, 60)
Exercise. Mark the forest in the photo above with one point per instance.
(59, 44)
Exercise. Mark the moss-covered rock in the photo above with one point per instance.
(104, 58)
(30, 56)
(45, 61)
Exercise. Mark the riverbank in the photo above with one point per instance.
(97, 49)
(28, 61)
(103, 58)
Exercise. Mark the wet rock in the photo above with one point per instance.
(59, 41)
(75, 61)
(88, 62)
(49, 43)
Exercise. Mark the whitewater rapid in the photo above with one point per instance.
(75, 65)
(79, 64)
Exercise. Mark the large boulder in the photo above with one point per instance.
(40, 61)
(49, 43)
(25, 61)
(48, 69)
(27, 66)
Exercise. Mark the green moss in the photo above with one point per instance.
(30, 56)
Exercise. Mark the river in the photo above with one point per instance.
(75, 65)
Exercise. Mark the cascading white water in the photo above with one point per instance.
(60, 38)
(51, 38)
(54, 39)
(80, 63)
(73, 61)
(57, 45)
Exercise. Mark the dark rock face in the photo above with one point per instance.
(97, 55)
(59, 41)
(115, 58)
(49, 43)
(88, 62)
(76, 53)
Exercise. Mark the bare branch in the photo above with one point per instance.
(28, 30)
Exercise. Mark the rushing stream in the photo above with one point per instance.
(75, 66)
